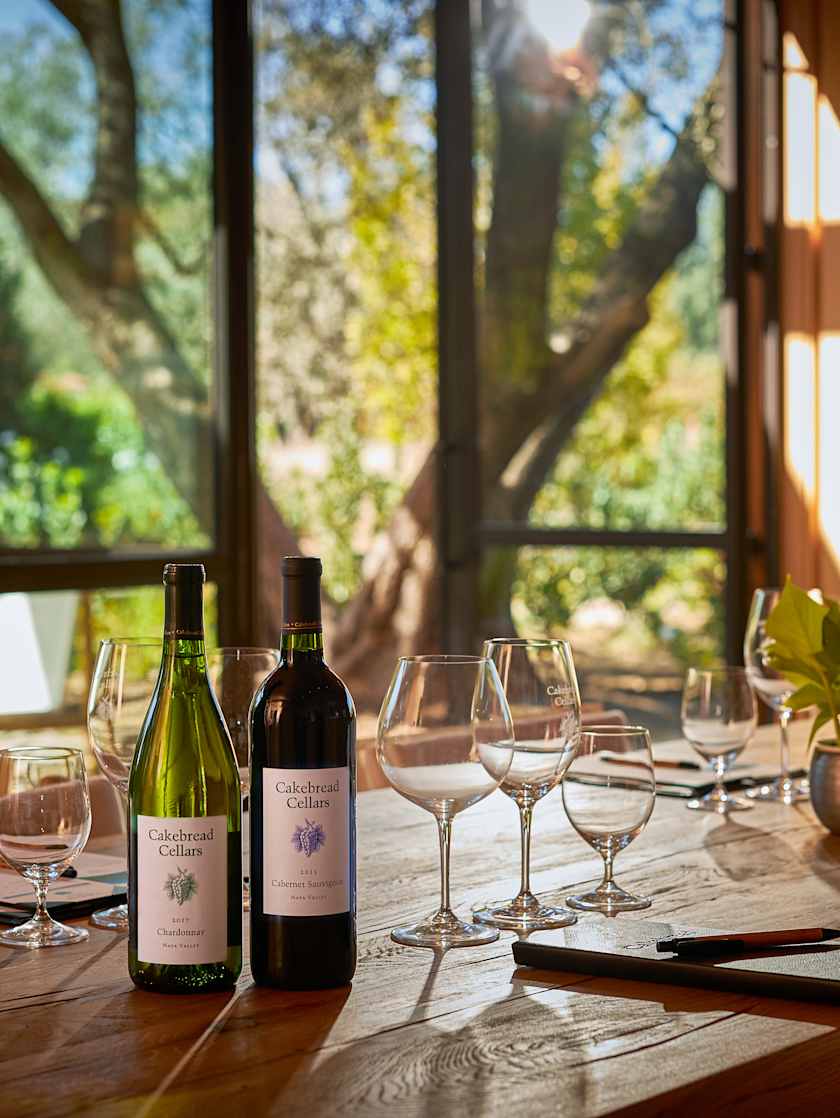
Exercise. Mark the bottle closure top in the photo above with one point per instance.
(301, 592)
(183, 600)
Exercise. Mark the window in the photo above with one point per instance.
(114, 394)
(492, 376)
(600, 223)
(106, 431)
(346, 281)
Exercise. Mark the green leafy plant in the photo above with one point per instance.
(805, 648)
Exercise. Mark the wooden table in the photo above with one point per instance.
(466, 1033)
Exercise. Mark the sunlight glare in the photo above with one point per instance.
(829, 159)
(800, 149)
(560, 24)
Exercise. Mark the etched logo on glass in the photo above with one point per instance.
(181, 886)
(308, 839)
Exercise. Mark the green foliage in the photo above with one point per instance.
(670, 600)
(342, 510)
(805, 649)
(74, 472)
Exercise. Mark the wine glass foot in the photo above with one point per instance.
(513, 918)
(42, 932)
(114, 919)
(720, 805)
(781, 791)
(609, 899)
(444, 932)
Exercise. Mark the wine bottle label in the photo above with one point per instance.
(306, 841)
(182, 889)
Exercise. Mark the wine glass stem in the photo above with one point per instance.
(444, 836)
(40, 884)
(720, 772)
(608, 856)
(784, 745)
(525, 814)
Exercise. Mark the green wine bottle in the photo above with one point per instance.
(185, 861)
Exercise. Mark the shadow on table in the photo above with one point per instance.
(458, 1063)
(682, 999)
(726, 845)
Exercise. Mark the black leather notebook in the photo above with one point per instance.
(627, 949)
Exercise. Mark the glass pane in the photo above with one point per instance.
(636, 617)
(600, 236)
(346, 309)
(45, 670)
(105, 275)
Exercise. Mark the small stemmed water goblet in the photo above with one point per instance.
(774, 690)
(542, 692)
(609, 810)
(44, 824)
(444, 741)
(120, 693)
(718, 719)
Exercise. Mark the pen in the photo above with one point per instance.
(736, 942)
(656, 764)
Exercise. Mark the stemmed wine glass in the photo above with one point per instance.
(774, 690)
(718, 719)
(120, 693)
(609, 810)
(542, 692)
(44, 824)
(445, 741)
(235, 674)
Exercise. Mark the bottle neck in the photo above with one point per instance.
(302, 639)
(305, 646)
(183, 625)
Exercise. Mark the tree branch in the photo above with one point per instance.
(615, 312)
(110, 210)
(57, 255)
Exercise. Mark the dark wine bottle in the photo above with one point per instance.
(185, 848)
(303, 805)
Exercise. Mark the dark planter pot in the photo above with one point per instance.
(824, 778)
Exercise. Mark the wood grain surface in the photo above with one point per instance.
(464, 1033)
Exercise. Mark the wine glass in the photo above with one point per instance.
(120, 693)
(542, 692)
(44, 824)
(774, 690)
(718, 719)
(235, 674)
(608, 810)
(445, 741)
